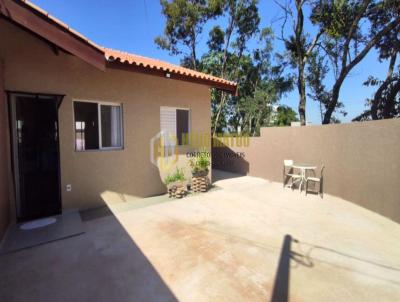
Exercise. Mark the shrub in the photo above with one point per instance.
(178, 175)
(200, 162)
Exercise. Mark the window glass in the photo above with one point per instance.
(182, 125)
(89, 135)
(86, 126)
(111, 132)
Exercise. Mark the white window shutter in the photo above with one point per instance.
(168, 120)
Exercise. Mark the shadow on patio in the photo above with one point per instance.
(103, 264)
(281, 288)
(251, 240)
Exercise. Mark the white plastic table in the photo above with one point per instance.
(303, 168)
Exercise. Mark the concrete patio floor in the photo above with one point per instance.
(226, 245)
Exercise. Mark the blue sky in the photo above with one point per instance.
(132, 25)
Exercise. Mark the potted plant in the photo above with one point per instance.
(200, 163)
(200, 167)
(176, 183)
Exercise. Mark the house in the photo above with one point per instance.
(77, 119)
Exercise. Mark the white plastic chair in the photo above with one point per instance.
(316, 180)
(288, 172)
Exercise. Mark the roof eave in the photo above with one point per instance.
(42, 25)
(229, 88)
(37, 21)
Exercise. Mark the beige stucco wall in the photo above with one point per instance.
(362, 160)
(4, 184)
(32, 66)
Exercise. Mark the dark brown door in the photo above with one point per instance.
(36, 158)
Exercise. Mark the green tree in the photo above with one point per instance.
(386, 100)
(299, 46)
(385, 103)
(284, 116)
(184, 24)
(350, 32)
(243, 22)
(260, 84)
(317, 71)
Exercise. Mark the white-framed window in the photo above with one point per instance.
(176, 121)
(98, 125)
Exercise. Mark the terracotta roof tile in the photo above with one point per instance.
(124, 57)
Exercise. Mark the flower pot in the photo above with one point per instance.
(200, 183)
(202, 173)
(177, 189)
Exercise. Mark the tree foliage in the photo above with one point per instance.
(260, 84)
(316, 74)
(386, 100)
(317, 62)
(299, 46)
(351, 29)
(185, 21)
(284, 116)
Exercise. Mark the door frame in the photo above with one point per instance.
(11, 101)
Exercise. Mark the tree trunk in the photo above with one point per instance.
(346, 68)
(221, 105)
(334, 100)
(378, 95)
(223, 67)
(300, 62)
(302, 93)
(391, 101)
(194, 58)
(228, 35)
(193, 48)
